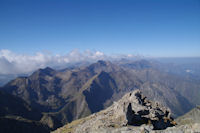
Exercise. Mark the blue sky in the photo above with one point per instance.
(146, 27)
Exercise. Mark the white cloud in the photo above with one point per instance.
(12, 63)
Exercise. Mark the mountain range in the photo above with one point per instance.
(61, 96)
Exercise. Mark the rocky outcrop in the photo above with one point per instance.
(133, 112)
(142, 111)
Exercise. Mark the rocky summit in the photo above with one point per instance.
(132, 113)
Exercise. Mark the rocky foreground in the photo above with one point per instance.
(132, 113)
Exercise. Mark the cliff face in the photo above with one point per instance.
(131, 113)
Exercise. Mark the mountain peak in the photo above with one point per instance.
(45, 71)
(102, 62)
(102, 65)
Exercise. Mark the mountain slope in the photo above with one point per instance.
(17, 116)
(13, 124)
(100, 90)
(193, 116)
(12, 105)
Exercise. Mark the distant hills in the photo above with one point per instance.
(63, 96)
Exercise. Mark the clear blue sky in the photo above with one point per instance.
(147, 27)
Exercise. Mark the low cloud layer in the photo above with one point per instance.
(13, 63)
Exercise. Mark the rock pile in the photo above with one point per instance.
(140, 111)
(134, 109)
